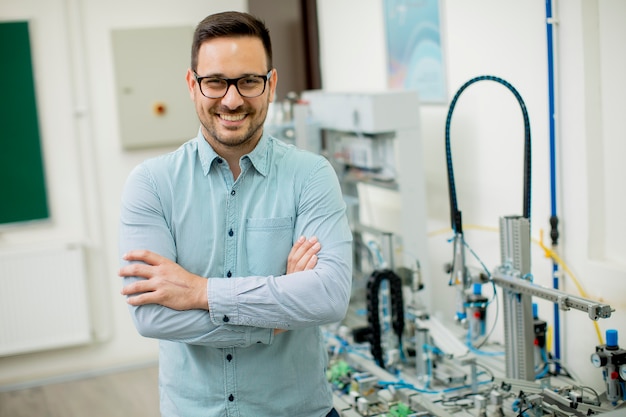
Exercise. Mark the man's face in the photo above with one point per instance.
(232, 122)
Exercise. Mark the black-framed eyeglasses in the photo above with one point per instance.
(248, 86)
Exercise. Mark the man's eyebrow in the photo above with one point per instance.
(217, 75)
(222, 75)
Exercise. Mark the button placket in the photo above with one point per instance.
(230, 239)
(230, 386)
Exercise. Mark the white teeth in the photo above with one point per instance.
(232, 117)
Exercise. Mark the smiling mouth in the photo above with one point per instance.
(232, 117)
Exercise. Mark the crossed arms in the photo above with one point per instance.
(168, 284)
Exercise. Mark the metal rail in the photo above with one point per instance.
(565, 301)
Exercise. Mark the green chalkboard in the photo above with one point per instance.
(22, 181)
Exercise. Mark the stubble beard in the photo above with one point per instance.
(251, 134)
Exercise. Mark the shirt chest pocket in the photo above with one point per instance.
(268, 242)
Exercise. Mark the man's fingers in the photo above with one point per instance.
(141, 299)
(137, 287)
(165, 282)
(311, 264)
(136, 270)
(308, 259)
(303, 254)
(142, 292)
(315, 247)
(143, 255)
(308, 247)
(297, 247)
(142, 263)
(135, 300)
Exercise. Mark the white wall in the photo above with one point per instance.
(508, 39)
(86, 165)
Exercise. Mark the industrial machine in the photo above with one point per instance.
(393, 355)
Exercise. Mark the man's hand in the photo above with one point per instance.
(303, 255)
(166, 283)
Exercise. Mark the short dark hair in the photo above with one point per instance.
(230, 24)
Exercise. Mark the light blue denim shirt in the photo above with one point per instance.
(227, 361)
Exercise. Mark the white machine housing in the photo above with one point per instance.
(392, 199)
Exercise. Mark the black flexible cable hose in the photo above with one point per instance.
(373, 315)
(455, 214)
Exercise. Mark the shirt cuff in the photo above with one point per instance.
(222, 307)
(223, 310)
(261, 335)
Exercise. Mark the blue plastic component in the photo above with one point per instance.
(478, 289)
(535, 311)
(611, 338)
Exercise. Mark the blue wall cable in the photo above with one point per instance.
(554, 233)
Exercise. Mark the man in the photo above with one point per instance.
(214, 260)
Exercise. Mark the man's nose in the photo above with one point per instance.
(232, 99)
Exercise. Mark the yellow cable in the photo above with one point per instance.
(556, 258)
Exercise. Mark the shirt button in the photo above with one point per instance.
(231, 398)
(232, 192)
(219, 160)
(225, 319)
(229, 357)
(229, 274)
(231, 233)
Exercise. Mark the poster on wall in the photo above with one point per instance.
(414, 49)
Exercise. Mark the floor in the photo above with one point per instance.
(126, 394)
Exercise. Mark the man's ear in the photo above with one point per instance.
(191, 83)
(272, 84)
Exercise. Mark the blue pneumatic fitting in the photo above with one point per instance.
(611, 338)
(478, 289)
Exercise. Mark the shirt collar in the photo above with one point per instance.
(259, 157)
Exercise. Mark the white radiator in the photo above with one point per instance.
(43, 299)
